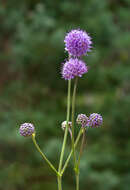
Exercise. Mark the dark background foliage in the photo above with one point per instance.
(32, 90)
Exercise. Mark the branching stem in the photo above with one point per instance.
(69, 157)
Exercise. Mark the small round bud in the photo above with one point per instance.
(82, 120)
(26, 129)
(95, 120)
(64, 124)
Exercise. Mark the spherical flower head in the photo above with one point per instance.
(64, 124)
(95, 120)
(26, 129)
(77, 43)
(82, 120)
(72, 68)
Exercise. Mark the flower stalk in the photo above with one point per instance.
(67, 126)
(59, 181)
(69, 157)
(43, 155)
(77, 180)
(81, 147)
(65, 136)
(73, 114)
(80, 154)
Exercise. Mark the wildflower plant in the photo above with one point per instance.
(77, 44)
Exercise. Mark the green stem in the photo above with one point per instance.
(59, 183)
(78, 162)
(43, 155)
(73, 113)
(66, 129)
(68, 159)
(77, 180)
(81, 148)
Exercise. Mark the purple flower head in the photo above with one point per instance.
(27, 129)
(82, 120)
(95, 120)
(77, 43)
(73, 68)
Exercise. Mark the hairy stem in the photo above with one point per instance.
(43, 155)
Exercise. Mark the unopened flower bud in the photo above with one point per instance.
(26, 129)
(95, 120)
(82, 120)
(64, 124)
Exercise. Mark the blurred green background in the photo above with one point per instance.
(32, 90)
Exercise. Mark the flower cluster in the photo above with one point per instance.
(77, 44)
(94, 120)
(73, 68)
